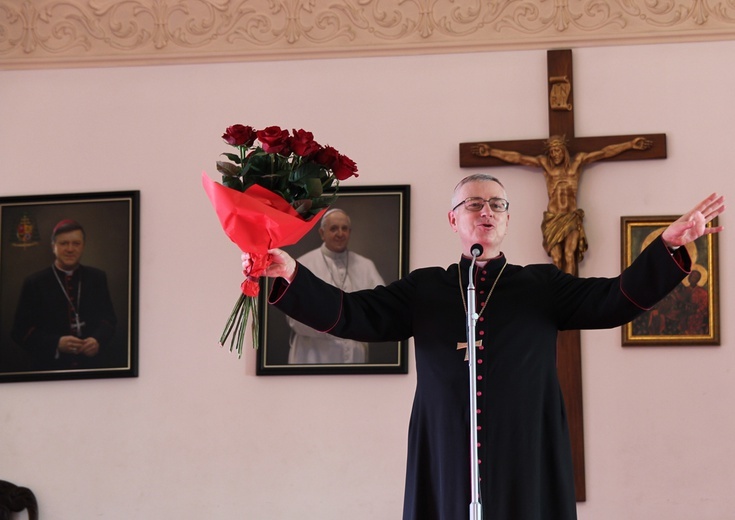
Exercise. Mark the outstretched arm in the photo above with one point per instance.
(692, 225)
(639, 143)
(483, 150)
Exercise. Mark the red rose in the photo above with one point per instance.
(239, 135)
(274, 140)
(326, 157)
(344, 168)
(302, 143)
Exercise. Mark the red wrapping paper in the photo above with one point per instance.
(256, 220)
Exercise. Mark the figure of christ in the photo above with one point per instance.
(564, 239)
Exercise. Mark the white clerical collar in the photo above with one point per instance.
(67, 273)
(334, 255)
(483, 263)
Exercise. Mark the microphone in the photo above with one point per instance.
(476, 251)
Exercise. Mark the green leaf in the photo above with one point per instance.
(233, 157)
(320, 203)
(258, 164)
(233, 182)
(229, 169)
(313, 188)
(306, 170)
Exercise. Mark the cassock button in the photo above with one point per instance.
(479, 361)
(479, 394)
(482, 333)
(479, 378)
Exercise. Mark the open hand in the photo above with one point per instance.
(692, 225)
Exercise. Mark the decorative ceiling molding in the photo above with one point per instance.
(86, 33)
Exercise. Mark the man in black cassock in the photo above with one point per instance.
(524, 449)
(65, 317)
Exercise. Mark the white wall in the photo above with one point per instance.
(198, 435)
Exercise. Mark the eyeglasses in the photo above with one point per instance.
(496, 204)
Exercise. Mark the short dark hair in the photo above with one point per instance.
(66, 226)
(475, 177)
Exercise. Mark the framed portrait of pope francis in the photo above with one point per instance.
(359, 243)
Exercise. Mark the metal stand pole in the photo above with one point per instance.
(475, 505)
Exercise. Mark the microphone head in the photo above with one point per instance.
(476, 250)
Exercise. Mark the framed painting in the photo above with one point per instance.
(378, 222)
(69, 286)
(690, 314)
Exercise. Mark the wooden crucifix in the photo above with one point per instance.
(561, 158)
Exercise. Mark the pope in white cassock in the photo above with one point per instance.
(335, 264)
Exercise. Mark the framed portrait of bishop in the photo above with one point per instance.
(69, 286)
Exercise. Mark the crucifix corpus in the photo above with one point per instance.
(561, 158)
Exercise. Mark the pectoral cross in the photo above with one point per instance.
(461, 346)
(562, 180)
(77, 325)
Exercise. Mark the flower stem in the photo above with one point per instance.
(231, 320)
(238, 321)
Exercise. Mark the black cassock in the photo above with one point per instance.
(44, 314)
(525, 456)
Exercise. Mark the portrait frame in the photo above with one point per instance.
(380, 232)
(689, 315)
(111, 222)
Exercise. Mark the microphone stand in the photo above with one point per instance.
(475, 505)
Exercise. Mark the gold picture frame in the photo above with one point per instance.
(111, 226)
(690, 314)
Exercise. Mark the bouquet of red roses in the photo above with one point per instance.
(273, 191)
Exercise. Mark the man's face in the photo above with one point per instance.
(484, 227)
(556, 153)
(68, 249)
(336, 232)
